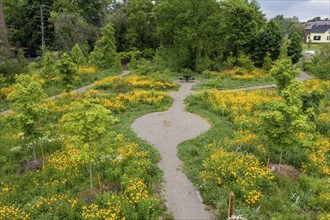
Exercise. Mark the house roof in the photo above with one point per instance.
(318, 26)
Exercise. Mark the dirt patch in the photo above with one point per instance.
(88, 196)
(31, 165)
(285, 170)
(111, 187)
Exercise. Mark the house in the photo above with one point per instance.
(317, 32)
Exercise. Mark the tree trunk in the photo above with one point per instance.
(91, 175)
(4, 45)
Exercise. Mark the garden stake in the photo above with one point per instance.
(41, 148)
(42, 154)
(98, 176)
(231, 204)
(268, 162)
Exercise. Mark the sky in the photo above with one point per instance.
(303, 9)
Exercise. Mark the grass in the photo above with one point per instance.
(283, 198)
(315, 47)
(31, 186)
(224, 83)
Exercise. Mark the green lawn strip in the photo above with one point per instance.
(225, 82)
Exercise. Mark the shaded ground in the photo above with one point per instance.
(165, 130)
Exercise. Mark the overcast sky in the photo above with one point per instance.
(303, 9)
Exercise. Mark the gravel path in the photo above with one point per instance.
(166, 130)
(303, 76)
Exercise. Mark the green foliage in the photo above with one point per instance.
(284, 72)
(284, 123)
(49, 69)
(190, 31)
(26, 97)
(141, 25)
(268, 62)
(241, 25)
(295, 47)
(78, 56)
(67, 68)
(245, 62)
(104, 54)
(289, 25)
(268, 41)
(320, 65)
(71, 28)
(23, 21)
(84, 129)
(2, 81)
(311, 102)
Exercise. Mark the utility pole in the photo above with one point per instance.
(42, 26)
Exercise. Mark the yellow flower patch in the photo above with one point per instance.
(244, 172)
(136, 191)
(12, 212)
(133, 82)
(111, 211)
(87, 69)
(4, 92)
(61, 161)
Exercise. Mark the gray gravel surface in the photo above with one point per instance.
(165, 130)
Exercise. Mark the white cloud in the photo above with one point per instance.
(303, 9)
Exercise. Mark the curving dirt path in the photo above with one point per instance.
(166, 130)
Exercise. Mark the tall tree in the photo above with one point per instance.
(117, 15)
(71, 28)
(104, 54)
(284, 72)
(267, 41)
(295, 47)
(27, 96)
(190, 30)
(84, 128)
(4, 44)
(241, 25)
(23, 18)
(141, 33)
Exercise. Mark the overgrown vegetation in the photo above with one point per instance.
(217, 162)
(63, 184)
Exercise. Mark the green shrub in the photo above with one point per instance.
(245, 62)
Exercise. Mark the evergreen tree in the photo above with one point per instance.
(295, 47)
(104, 54)
(268, 41)
(67, 68)
(78, 56)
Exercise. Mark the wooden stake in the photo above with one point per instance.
(100, 185)
(268, 162)
(42, 154)
(231, 204)
(41, 148)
